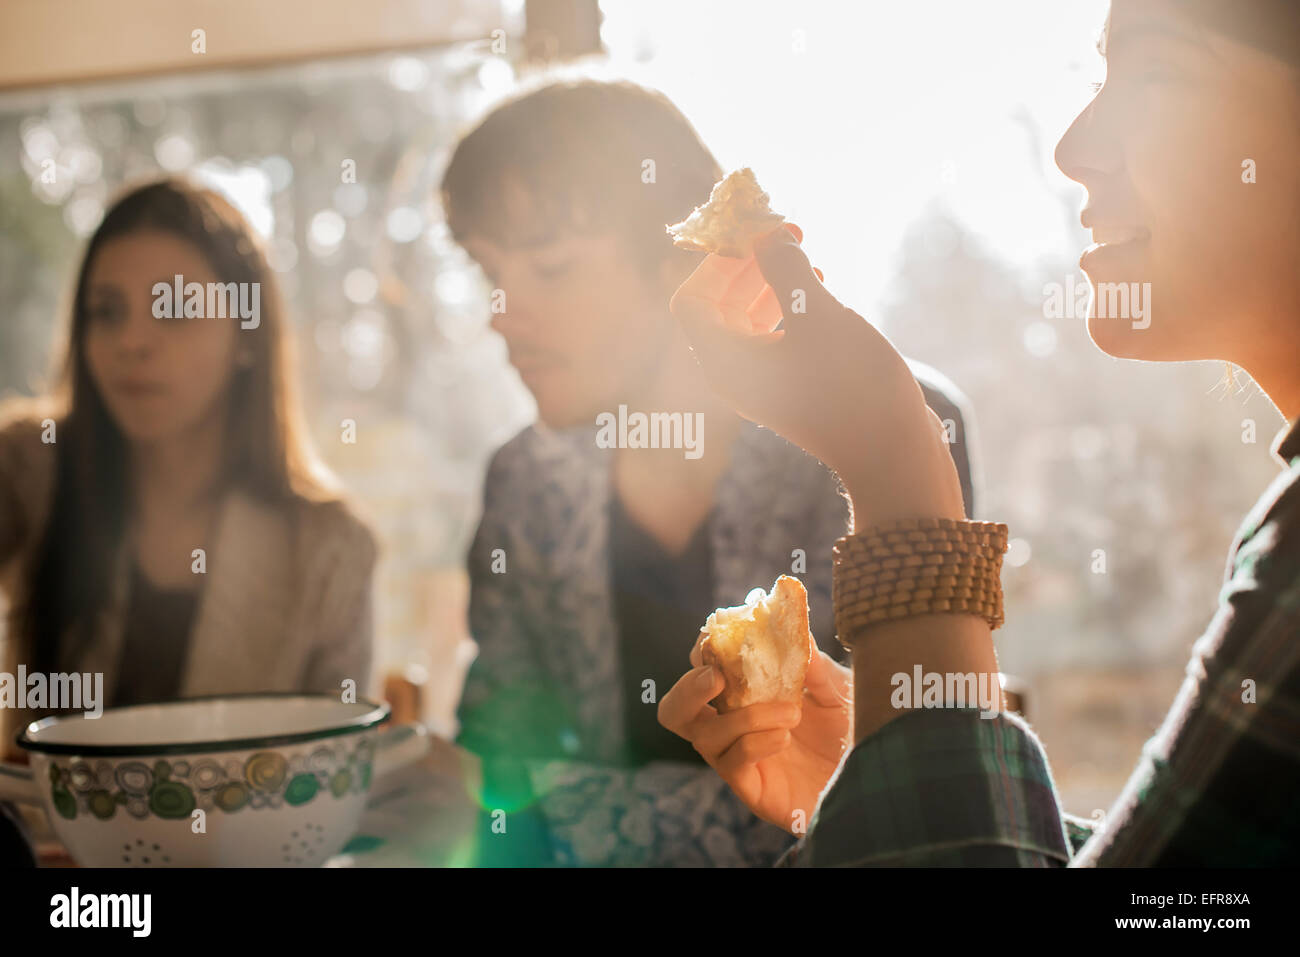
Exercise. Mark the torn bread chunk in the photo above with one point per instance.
(762, 647)
(736, 214)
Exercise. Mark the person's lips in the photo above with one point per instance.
(139, 388)
(530, 364)
(1107, 235)
(1114, 242)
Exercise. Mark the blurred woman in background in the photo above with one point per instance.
(163, 520)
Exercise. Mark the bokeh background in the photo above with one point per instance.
(912, 142)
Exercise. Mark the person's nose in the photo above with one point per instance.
(1089, 147)
(510, 326)
(510, 306)
(138, 334)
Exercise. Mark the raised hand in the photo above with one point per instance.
(788, 355)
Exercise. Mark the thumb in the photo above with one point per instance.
(732, 358)
(827, 681)
(786, 269)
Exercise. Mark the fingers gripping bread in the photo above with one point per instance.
(736, 214)
(762, 647)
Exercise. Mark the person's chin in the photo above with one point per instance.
(139, 432)
(1164, 335)
(1128, 320)
(1118, 338)
(558, 412)
(146, 425)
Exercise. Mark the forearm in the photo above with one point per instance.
(940, 644)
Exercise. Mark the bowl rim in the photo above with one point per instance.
(377, 713)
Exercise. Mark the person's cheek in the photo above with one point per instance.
(1275, 237)
(207, 356)
(96, 350)
(101, 349)
(1222, 233)
(611, 334)
(1180, 182)
(570, 322)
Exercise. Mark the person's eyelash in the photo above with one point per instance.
(98, 312)
(552, 270)
(1096, 85)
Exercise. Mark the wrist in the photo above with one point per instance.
(959, 645)
(905, 470)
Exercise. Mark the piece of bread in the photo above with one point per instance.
(736, 214)
(762, 647)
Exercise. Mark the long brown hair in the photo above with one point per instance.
(265, 449)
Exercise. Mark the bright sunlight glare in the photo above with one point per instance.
(857, 118)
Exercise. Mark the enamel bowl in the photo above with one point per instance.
(228, 781)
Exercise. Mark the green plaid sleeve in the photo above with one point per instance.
(940, 788)
(1079, 830)
(1219, 783)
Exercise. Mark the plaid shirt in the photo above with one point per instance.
(1218, 785)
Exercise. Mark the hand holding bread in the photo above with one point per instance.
(773, 737)
(788, 355)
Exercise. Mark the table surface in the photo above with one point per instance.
(425, 815)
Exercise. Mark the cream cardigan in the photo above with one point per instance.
(286, 605)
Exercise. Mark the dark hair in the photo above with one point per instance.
(1270, 26)
(265, 447)
(579, 149)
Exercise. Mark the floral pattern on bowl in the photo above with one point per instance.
(174, 789)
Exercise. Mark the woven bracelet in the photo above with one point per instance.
(918, 566)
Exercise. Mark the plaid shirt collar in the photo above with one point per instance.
(1287, 444)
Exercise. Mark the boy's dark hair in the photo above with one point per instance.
(590, 155)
